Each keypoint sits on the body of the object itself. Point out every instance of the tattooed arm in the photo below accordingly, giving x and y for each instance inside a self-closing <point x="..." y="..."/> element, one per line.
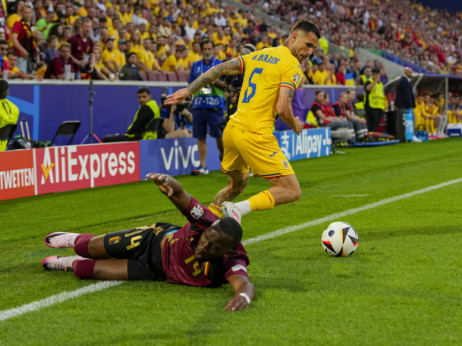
<point x="284" y="109"/>
<point x="231" y="67"/>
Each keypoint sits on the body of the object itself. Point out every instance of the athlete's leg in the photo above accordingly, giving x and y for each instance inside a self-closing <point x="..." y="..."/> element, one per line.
<point x="202" y="148"/>
<point x="96" y="248"/>
<point x="101" y="269"/>
<point x="220" y="146"/>
<point x="237" y="183"/>
<point x="111" y="269"/>
<point x="285" y="189"/>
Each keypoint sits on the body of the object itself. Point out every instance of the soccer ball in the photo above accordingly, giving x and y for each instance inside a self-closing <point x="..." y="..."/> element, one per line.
<point x="339" y="239"/>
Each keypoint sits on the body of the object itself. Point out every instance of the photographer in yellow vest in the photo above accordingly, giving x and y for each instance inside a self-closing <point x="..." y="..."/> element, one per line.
<point x="147" y="111"/>
<point x="9" y="113"/>
<point x="374" y="101"/>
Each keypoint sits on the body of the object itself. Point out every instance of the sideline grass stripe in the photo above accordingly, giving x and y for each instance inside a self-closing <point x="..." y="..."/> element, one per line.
<point x="348" y="212"/>
<point x="59" y="298"/>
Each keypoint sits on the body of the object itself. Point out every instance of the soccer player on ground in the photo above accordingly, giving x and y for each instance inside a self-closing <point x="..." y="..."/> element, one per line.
<point x="270" y="79"/>
<point x="205" y="252"/>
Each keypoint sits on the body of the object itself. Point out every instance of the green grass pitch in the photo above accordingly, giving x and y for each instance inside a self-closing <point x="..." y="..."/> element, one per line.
<point x="402" y="286"/>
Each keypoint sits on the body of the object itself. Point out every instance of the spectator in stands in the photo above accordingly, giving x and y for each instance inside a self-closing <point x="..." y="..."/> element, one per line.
<point x="171" y="63"/>
<point x="325" y="116"/>
<point x="15" y="72"/>
<point x="23" y="41"/>
<point x="52" y="49"/>
<point x="367" y="76"/>
<point x="343" y="110"/>
<point x="318" y="57"/>
<point x="130" y="71"/>
<point x="165" y="28"/>
<point x="111" y="56"/>
<point x="374" y="101"/>
<point x="454" y="109"/>
<point x="325" y="74"/>
<point x="82" y="49"/>
<point x="340" y="75"/>
<point x="44" y="25"/>
<point x="57" y="30"/>
<point x="122" y="47"/>
<point x="100" y="71"/>
<point x="9" y="112"/>
<point x="442" y="118"/>
<point x="57" y="67"/>
<point x="14" y="17"/>
<point x="5" y="66"/>
<point x="208" y="106"/>
<point x="194" y="54"/>
<point x="147" y="57"/>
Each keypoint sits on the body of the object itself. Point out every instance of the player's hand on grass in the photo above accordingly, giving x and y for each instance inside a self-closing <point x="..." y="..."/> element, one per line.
<point x="177" y="97"/>
<point x="237" y="303"/>
<point x="162" y="181"/>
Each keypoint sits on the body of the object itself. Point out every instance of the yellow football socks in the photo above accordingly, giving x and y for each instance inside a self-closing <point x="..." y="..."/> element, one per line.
<point x="262" y="201"/>
<point x="215" y="210"/>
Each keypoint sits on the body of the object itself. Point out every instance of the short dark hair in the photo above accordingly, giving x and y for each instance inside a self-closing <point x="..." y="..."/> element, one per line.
<point x="3" y="42"/>
<point x="130" y="54"/>
<point x="318" y="92"/>
<point x="204" y="42"/>
<point x="375" y="70"/>
<point x="143" y="90"/>
<point x="306" y="26"/>
<point x="231" y="228"/>
<point x="3" y="89"/>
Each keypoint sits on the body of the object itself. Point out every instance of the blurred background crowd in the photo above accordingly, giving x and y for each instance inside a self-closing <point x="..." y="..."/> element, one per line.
<point x="153" y="40"/>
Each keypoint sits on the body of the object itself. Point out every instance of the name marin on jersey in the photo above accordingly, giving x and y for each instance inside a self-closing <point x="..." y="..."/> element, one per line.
<point x="266" y="58"/>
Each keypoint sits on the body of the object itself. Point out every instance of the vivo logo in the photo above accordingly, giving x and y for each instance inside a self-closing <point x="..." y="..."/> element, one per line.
<point x="180" y="155"/>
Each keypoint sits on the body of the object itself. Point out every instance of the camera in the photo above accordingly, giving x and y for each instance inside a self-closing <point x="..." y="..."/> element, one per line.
<point x="186" y="104"/>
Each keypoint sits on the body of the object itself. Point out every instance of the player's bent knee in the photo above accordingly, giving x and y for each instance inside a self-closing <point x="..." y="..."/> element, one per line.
<point x="295" y="193"/>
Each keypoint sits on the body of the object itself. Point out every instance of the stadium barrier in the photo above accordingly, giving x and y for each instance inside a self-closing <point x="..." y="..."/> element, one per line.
<point x="47" y="104"/>
<point x="54" y="169"/>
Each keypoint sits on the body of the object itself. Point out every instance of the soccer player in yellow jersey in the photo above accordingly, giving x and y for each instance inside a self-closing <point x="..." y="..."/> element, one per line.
<point x="270" y="79"/>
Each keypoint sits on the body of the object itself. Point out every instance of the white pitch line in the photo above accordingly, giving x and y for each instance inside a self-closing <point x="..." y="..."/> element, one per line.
<point x="348" y="212"/>
<point x="59" y="298"/>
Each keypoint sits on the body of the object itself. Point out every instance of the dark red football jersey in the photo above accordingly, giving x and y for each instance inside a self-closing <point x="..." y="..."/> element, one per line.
<point x="179" y="263"/>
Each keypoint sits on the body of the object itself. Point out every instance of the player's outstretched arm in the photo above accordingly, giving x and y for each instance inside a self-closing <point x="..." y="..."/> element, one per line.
<point x="243" y="292"/>
<point x="284" y="109"/>
<point x="230" y="67"/>
<point x="172" y="189"/>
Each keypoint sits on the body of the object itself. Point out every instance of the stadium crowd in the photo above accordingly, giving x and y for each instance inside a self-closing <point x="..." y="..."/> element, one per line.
<point x="165" y="37"/>
<point x="161" y="40"/>
<point x="423" y="36"/>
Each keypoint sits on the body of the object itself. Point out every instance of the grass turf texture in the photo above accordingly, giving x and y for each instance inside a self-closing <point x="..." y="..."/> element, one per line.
<point x="402" y="286"/>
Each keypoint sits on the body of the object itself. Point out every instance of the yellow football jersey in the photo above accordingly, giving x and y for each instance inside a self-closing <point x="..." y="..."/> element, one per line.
<point x="265" y="71"/>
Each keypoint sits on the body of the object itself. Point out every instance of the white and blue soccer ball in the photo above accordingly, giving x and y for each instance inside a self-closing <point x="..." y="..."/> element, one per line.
<point x="339" y="239"/>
